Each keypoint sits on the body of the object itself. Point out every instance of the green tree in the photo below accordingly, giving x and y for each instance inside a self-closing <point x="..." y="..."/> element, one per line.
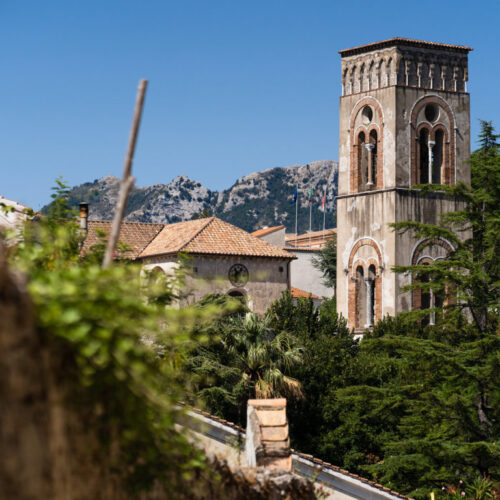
<point x="248" y="359"/>
<point x="470" y="275"/>
<point x="326" y="262"/>
<point x="424" y="407"/>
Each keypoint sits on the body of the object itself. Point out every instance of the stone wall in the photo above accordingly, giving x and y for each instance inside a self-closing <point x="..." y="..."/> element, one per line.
<point x="267" y="277"/>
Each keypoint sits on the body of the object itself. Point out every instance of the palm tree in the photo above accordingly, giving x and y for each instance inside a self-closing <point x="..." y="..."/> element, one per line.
<point x="264" y="357"/>
<point x="248" y="360"/>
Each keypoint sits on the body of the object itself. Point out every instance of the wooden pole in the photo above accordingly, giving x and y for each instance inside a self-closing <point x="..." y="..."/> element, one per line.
<point x="127" y="180"/>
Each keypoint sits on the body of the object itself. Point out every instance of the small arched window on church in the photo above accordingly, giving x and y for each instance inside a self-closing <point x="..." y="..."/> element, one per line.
<point x="360" y="298"/>
<point x="423" y="170"/>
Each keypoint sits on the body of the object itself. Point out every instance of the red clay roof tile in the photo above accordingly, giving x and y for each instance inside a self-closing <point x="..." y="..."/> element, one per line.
<point x="136" y="235"/>
<point x="297" y="292"/>
<point x="211" y="236"/>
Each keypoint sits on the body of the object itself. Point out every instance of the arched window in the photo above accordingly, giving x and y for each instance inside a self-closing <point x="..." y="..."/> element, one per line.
<point x="366" y="150"/>
<point x="423" y="171"/>
<point x="433" y="142"/>
<point x="437" y="157"/>
<point x="360" y="298"/>
<point x="426" y="253"/>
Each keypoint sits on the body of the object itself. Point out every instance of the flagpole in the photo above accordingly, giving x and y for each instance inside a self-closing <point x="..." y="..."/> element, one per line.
<point x="310" y="220"/>
<point x="296" y="213"/>
<point x="324" y="210"/>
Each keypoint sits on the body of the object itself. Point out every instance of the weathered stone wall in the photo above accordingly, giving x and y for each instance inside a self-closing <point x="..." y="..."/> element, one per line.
<point x="267" y="278"/>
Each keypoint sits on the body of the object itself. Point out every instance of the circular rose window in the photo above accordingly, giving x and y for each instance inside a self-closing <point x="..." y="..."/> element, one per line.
<point x="238" y="275"/>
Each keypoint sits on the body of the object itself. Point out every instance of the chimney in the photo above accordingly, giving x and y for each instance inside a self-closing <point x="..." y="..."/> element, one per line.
<point x="84" y="215"/>
<point x="267" y="443"/>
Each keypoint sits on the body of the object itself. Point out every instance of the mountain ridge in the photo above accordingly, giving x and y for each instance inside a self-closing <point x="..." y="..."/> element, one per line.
<point x="263" y="198"/>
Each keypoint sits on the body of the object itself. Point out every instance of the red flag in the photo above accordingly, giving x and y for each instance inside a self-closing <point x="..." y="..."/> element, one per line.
<point x="324" y="199"/>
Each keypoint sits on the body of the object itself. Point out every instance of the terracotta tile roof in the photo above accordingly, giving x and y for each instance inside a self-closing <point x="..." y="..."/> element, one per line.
<point x="297" y="292"/>
<point x="319" y="462"/>
<point x="266" y="230"/>
<point x="402" y="41"/>
<point x="134" y="234"/>
<point x="211" y="236"/>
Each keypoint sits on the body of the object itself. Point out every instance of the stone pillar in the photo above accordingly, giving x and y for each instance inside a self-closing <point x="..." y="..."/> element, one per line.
<point x="267" y="442"/>
<point x="369" y="302"/>
<point x="430" y="145"/>
<point x="370" y="147"/>
<point x="432" y="317"/>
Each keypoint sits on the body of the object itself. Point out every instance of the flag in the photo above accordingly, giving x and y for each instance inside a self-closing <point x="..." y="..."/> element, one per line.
<point x="324" y="200"/>
<point x="295" y="194"/>
<point x="310" y="195"/>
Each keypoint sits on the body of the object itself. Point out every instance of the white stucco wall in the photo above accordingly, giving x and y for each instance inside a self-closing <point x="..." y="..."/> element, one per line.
<point x="305" y="276"/>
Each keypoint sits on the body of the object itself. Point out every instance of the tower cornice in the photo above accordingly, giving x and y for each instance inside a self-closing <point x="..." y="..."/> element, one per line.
<point x="406" y="42"/>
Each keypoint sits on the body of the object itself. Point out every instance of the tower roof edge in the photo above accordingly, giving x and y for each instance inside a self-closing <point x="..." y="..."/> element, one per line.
<point x="391" y="42"/>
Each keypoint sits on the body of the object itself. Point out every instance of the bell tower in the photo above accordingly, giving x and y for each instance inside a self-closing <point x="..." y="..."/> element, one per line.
<point x="404" y="120"/>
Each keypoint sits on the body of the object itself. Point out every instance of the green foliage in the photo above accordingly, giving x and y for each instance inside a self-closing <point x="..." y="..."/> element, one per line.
<point x="59" y="209"/>
<point x="116" y="346"/>
<point x="326" y="262"/>
<point x="424" y="407"/>
<point x="246" y="359"/>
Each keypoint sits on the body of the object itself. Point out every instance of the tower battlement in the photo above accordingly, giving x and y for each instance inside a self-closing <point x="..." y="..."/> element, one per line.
<point x="401" y="61"/>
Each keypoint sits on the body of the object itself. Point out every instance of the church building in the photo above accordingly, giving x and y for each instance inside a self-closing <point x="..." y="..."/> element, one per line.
<point x="404" y="120"/>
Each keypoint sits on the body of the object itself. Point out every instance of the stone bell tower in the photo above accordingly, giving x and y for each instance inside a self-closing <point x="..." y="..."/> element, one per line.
<point x="404" y="120"/>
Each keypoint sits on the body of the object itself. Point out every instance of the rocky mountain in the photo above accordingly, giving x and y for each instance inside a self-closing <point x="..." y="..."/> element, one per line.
<point x="254" y="201"/>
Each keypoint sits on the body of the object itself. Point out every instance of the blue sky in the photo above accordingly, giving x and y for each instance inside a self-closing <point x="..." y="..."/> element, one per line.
<point x="235" y="86"/>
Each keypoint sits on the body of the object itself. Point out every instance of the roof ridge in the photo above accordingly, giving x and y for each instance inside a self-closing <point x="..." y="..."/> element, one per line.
<point x="196" y="234"/>
<point x="266" y="243"/>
